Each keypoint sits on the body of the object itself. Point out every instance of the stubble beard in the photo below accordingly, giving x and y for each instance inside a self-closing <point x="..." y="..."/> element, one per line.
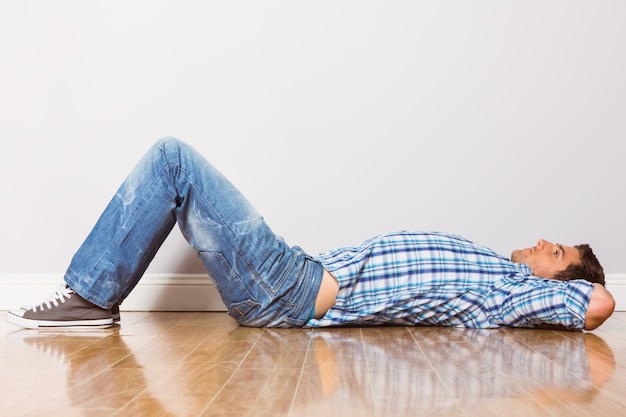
<point x="517" y="256"/>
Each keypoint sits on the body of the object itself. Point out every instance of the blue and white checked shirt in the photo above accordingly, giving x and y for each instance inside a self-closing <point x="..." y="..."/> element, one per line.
<point x="419" y="278"/>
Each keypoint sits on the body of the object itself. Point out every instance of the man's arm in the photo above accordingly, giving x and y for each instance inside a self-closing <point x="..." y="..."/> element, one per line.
<point x="601" y="306"/>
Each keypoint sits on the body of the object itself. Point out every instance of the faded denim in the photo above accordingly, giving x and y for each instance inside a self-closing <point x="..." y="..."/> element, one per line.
<point x="263" y="281"/>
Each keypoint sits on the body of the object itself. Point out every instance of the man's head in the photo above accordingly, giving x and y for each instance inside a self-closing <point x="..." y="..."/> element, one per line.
<point x="556" y="261"/>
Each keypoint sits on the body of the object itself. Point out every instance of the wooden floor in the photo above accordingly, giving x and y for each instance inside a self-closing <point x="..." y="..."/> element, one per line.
<point x="203" y="364"/>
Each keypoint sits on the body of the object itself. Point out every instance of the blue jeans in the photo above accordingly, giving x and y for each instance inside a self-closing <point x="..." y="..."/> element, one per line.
<point x="263" y="281"/>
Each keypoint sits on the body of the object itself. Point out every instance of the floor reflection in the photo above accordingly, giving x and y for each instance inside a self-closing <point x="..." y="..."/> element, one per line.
<point x="450" y="370"/>
<point x="75" y="372"/>
<point x="173" y="364"/>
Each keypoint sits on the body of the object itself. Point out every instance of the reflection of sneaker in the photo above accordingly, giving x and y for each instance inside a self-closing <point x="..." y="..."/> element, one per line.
<point x="64" y="309"/>
<point x="115" y="311"/>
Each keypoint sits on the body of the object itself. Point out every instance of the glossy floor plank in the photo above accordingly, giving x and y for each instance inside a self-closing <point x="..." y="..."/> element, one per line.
<point x="203" y="364"/>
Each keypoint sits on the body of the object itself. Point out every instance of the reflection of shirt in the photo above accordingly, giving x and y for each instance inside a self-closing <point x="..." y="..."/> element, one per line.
<point x="417" y="278"/>
<point x="420" y="372"/>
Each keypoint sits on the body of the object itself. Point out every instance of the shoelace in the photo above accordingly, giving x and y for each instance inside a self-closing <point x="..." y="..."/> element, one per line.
<point x="64" y="292"/>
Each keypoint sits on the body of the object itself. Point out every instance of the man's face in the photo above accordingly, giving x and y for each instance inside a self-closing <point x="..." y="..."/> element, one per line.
<point x="545" y="259"/>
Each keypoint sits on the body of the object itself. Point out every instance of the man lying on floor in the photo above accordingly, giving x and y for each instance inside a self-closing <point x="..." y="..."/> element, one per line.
<point x="403" y="278"/>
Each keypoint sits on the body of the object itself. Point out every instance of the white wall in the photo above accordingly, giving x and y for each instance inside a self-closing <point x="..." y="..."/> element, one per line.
<point x="501" y="121"/>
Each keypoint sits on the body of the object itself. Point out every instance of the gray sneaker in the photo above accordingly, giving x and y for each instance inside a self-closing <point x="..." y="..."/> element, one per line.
<point x="64" y="309"/>
<point x="115" y="311"/>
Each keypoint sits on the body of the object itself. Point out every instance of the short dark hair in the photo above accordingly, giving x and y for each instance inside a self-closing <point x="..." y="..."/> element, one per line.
<point x="589" y="267"/>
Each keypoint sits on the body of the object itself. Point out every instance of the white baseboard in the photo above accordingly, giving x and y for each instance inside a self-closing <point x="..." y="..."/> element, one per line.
<point x="172" y="292"/>
<point x="155" y="292"/>
<point x="616" y="284"/>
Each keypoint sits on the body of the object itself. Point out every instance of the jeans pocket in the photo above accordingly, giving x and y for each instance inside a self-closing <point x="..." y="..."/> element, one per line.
<point x="235" y="292"/>
<point x="243" y="312"/>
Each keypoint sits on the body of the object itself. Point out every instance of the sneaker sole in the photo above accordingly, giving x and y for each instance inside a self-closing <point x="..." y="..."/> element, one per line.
<point x="74" y="324"/>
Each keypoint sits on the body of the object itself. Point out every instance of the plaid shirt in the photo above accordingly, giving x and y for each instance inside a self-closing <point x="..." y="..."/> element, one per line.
<point x="417" y="278"/>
